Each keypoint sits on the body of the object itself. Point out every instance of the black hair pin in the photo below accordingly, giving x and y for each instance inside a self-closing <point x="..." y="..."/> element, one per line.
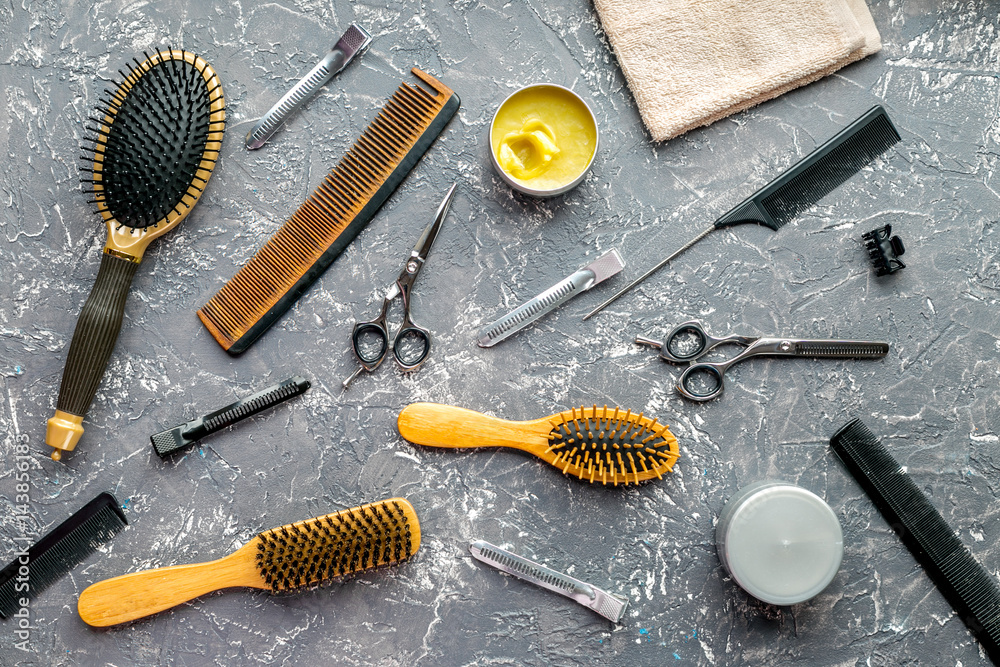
<point x="182" y="436"/>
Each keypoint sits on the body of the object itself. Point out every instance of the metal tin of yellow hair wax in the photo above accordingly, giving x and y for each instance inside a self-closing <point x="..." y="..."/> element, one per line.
<point x="781" y="543"/>
<point x="543" y="140"/>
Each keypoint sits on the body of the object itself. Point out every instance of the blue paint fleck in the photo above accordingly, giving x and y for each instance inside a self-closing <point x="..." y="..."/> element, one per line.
<point x="643" y="631"/>
<point x="201" y="451"/>
<point x="676" y="657"/>
<point x="125" y="504"/>
<point x="18" y="370"/>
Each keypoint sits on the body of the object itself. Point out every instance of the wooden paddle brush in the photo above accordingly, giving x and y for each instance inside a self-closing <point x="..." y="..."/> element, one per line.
<point x="286" y="559"/>
<point x="606" y="445"/>
<point x="152" y="148"/>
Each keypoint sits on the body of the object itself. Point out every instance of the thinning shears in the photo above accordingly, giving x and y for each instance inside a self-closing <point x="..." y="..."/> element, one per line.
<point x="703" y="381"/>
<point x="411" y="343"/>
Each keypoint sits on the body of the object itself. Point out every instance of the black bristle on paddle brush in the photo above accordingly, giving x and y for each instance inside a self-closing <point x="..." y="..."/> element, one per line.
<point x="65" y="547"/>
<point x="802" y="185"/>
<point x="967" y="585"/>
<point x="155" y="145"/>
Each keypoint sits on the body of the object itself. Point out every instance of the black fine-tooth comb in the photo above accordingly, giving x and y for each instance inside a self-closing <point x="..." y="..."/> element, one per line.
<point x="169" y="441"/>
<point x="802" y="185"/>
<point x="966" y="584"/>
<point x="57" y="553"/>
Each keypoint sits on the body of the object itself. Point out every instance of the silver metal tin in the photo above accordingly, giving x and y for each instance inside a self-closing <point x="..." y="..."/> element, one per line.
<point x="521" y="187"/>
<point x="759" y="565"/>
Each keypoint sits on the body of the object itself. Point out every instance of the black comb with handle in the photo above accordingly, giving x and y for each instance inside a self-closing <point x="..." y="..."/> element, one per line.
<point x="967" y="585"/>
<point x="802" y="185"/>
<point x="181" y="436"/>
<point x="65" y="547"/>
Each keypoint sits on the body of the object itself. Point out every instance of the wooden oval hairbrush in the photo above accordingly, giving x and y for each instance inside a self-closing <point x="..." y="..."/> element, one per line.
<point x="607" y="445"/>
<point x="154" y="144"/>
<point x="286" y="559"/>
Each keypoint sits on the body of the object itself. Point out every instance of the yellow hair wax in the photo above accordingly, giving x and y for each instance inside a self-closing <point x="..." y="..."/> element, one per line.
<point x="544" y="137"/>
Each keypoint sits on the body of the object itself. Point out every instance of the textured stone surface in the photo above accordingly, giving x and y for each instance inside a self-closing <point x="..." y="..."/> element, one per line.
<point x="934" y="398"/>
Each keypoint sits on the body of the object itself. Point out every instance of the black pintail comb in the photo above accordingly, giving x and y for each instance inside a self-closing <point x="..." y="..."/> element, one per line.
<point x="62" y="549"/>
<point x="186" y="434"/>
<point x="802" y="185"/>
<point x="967" y="585"/>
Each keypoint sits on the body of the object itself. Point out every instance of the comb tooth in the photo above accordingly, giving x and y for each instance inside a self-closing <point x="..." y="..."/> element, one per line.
<point x="400" y="115"/>
<point x="412" y="100"/>
<point x="385" y="141"/>
<point x="372" y="149"/>
<point x="388" y="129"/>
<point x="365" y="159"/>
<point x="335" y="202"/>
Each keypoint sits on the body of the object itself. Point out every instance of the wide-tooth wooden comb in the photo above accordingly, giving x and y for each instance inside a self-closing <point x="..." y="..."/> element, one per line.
<point x="287" y="559"/>
<point x="598" y="444"/>
<point x="316" y="234"/>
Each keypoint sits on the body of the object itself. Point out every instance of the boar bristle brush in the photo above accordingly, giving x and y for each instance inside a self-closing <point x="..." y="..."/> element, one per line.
<point x="286" y="559"/>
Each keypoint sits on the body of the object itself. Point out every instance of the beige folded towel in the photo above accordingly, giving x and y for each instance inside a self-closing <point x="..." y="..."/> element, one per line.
<point x="691" y="62"/>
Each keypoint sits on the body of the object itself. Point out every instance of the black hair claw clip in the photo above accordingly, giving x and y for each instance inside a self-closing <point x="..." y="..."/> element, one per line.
<point x="884" y="250"/>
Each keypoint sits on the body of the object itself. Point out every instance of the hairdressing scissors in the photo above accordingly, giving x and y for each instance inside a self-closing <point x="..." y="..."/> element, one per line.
<point x="411" y="343"/>
<point x="703" y="381"/>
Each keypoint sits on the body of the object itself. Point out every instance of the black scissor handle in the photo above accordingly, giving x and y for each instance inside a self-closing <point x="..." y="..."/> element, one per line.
<point x="411" y="346"/>
<point x="363" y="330"/>
<point x="702" y="382"/>
<point x="672" y="351"/>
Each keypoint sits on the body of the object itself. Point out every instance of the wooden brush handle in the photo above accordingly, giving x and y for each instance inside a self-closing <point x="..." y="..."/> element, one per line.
<point x="140" y="594"/>
<point x="437" y="425"/>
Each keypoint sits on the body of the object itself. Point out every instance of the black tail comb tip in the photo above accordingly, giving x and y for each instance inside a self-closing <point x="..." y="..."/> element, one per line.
<point x="62" y="549"/>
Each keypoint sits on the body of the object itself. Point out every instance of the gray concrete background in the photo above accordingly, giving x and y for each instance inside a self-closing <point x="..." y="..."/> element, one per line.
<point x="934" y="398"/>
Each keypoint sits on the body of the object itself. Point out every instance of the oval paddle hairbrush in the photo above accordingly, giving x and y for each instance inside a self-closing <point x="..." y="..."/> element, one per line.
<point x="154" y="144"/>
<point x="607" y="445"/>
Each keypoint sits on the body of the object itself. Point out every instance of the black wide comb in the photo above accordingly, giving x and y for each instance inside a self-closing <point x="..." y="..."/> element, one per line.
<point x="966" y="584"/>
<point x="65" y="547"/>
<point x="802" y="185"/>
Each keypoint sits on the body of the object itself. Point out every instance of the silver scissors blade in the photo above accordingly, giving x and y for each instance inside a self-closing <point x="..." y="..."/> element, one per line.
<point x="427" y="238"/>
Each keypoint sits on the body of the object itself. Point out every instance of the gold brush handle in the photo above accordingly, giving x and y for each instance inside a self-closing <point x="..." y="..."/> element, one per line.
<point x="140" y="594"/>
<point x="436" y="425"/>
